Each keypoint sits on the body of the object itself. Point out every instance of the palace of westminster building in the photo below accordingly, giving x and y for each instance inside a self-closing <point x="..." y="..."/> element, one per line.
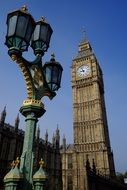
<point x="65" y="164"/>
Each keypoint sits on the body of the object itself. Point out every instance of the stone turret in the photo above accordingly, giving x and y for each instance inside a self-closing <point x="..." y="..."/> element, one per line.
<point x="17" y="120"/>
<point x="53" y="140"/>
<point x="38" y="132"/>
<point x="57" y="136"/>
<point x="46" y="136"/>
<point x="64" y="142"/>
<point x="3" y="116"/>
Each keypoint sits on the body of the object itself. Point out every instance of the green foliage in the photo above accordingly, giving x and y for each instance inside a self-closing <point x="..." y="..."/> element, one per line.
<point x="121" y="176"/>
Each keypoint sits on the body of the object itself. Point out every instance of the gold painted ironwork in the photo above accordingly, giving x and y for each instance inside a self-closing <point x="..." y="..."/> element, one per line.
<point x="41" y="163"/>
<point x="33" y="102"/>
<point x="13" y="164"/>
<point x="26" y="74"/>
<point x="17" y="161"/>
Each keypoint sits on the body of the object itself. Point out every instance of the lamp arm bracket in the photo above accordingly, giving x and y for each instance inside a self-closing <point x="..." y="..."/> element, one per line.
<point x="36" y="61"/>
<point x="27" y="75"/>
<point x="35" y="80"/>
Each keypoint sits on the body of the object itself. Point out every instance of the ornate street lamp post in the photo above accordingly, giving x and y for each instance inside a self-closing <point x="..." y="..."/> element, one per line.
<point x="41" y="80"/>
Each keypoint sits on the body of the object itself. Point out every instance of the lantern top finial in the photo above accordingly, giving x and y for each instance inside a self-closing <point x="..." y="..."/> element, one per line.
<point x="24" y="8"/>
<point x="41" y="163"/>
<point x="43" y="19"/>
<point x="52" y="57"/>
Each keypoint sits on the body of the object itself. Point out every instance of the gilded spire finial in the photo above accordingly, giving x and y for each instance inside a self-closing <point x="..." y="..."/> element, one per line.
<point x="17" y="161"/>
<point x="13" y="164"/>
<point x="41" y="163"/>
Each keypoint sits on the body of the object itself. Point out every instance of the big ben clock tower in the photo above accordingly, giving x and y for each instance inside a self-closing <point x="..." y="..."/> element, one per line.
<point x="91" y="136"/>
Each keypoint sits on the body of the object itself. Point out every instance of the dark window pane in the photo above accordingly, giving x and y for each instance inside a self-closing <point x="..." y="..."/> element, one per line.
<point x="36" y="33"/>
<point x="12" y="25"/>
<point x="29" y="32"/>
<point x="55" y="74"/>
<point x="43" y="34"/>
<point x="22" y="26"/>
<point x="48" y="74"/>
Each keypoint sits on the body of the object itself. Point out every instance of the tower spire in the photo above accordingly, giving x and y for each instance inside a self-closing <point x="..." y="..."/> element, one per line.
<point x="53" y="139"/>
<point x="38" y="132"/>
<point x="84" y="35"/>
<point x="46" y="136"/>
<point x="57" y="136"/>
<point x="57" y="133"/>
<point x="17" y="120"/>
<point x="64" y="142"/>
<point x="3" y="115"/>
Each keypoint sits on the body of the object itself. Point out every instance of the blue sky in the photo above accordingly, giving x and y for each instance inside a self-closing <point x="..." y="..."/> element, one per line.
<point x="105" y="22"/>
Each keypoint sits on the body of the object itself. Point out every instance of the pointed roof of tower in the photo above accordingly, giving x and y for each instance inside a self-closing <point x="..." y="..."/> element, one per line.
<point x="4" y="111"/>
<point x="57" y="130"/>
<point x="37" y="134"/>
<point x="84" y="47"/>
<point x="46" y="136"/>
<point x="64" y="142"/>
<point x="53" y="139"/>
<point x="64" y="137"/>
<point x="84" y="37"/>
<point x="17" y="120"/>
<point x="3" y="115"/>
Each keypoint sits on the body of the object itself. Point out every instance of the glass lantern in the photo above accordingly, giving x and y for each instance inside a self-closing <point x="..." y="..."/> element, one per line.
<point x="41" y="36"/>
<point x="53" y="72"/>
<point x="20" y="26"/>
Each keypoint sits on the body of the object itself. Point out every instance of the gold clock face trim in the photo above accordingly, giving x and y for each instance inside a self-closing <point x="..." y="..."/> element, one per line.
<point x="83" y="70"/>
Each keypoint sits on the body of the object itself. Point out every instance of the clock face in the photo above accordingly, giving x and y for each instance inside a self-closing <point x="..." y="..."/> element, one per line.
<point x="83" y="70"/>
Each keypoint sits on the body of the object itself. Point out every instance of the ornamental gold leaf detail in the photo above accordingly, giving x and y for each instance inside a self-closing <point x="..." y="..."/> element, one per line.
<point x="26" y="74"/>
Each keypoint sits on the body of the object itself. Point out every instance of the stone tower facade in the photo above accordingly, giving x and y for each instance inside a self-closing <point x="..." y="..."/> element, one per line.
<point x="91" y="136"/>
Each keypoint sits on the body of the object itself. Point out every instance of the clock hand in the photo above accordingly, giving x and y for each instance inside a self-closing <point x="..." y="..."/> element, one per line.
<point x="83" y="70"/>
